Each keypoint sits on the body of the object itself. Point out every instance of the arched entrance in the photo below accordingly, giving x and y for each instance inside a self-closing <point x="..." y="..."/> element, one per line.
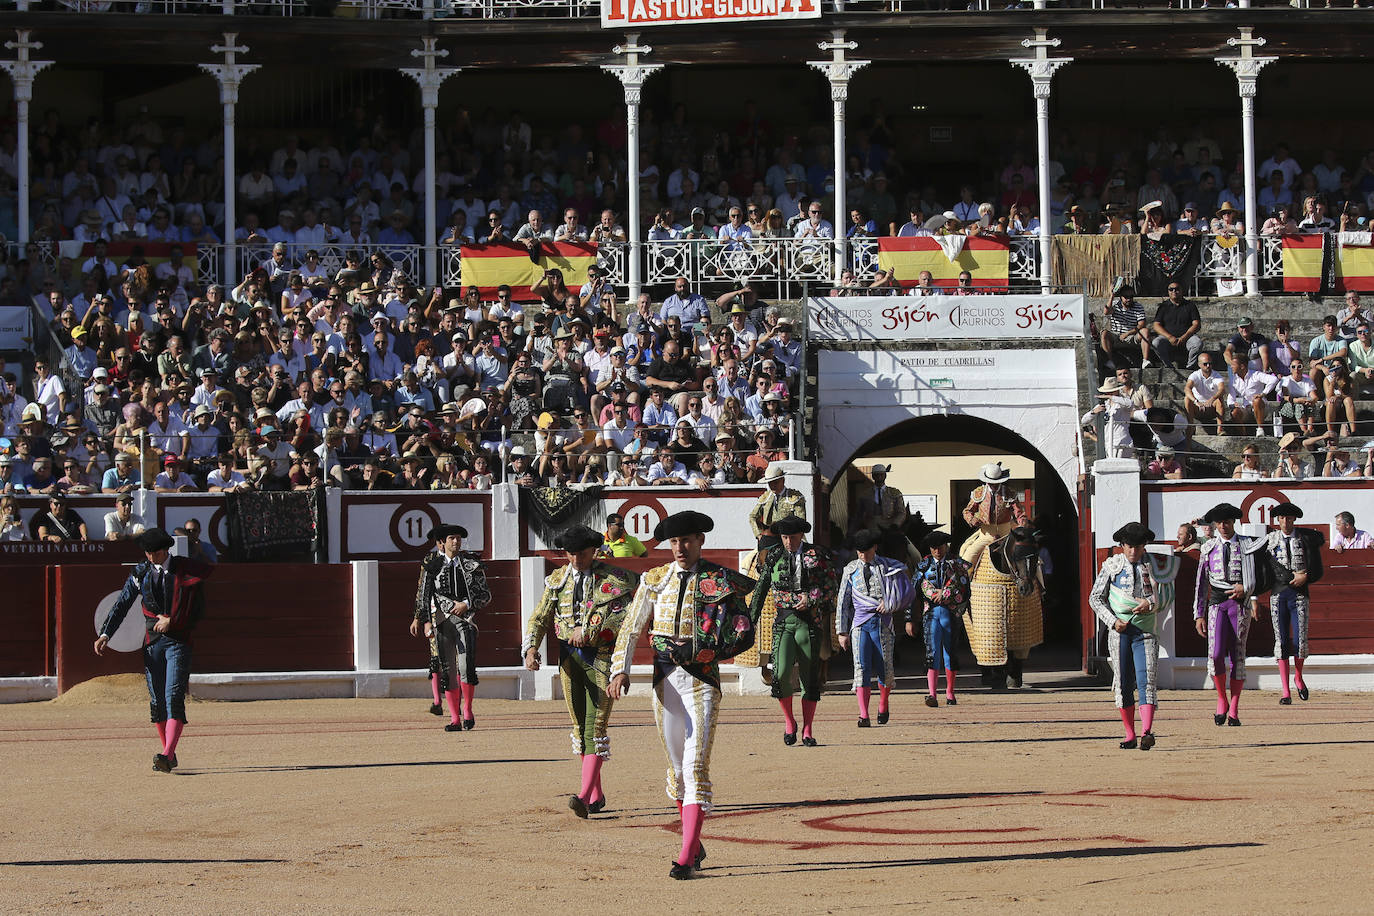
<point x="935" y="462"/>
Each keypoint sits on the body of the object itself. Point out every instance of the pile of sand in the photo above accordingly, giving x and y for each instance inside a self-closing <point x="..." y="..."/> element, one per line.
<point x="111" y="690"/>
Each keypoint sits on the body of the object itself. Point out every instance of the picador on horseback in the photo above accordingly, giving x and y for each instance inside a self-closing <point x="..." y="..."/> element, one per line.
<point x="1004" y="612"/>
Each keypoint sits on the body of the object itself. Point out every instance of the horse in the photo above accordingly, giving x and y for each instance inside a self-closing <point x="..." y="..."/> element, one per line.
<point x="1005" y="616"/>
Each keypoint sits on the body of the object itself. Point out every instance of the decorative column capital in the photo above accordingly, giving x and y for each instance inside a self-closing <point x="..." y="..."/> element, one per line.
<point x="633" y="73"/>
<point x="1041" y="67"/>
<point x="230" y="73"/>
<point x="429" y="77"/>
<point x="1245" y="65"/>
<point x="838" y="69"/>
<point x="1247" y="71"/>
<point x="1041" y="71"/>
<point x="23" y="70"/>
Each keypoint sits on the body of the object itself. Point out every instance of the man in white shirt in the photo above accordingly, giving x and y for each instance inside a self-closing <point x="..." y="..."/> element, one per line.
<point x="1205" y="393"/>
<point x="703" y="427"/>
<point x="277" y="452"/>
<point x="167" y="434"/>
<point x="173" y="479"/>
<point x="619" y="432"/>
<point x="915" y="227"/>
<point x="667" y="470"/>
<point x="1245" y="390"/>
<point x="815" y="227"/>
<point x="224" y="479"/>
<point x="122" y="524"/>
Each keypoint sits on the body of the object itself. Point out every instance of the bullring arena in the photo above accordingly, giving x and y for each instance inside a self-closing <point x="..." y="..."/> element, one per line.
<point x="364" y="806"/>
<point x="322" y="297"/>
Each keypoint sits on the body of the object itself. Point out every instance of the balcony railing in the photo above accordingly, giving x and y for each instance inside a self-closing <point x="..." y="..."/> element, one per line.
<point x="553" y="9"/>
<point x="779" y="268"/>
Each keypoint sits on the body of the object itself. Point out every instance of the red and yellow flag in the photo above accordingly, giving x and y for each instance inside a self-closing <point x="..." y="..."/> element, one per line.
<point x="987" y="259"/>
<point x="1303" y="257"/>
<point x="488" y="266"/>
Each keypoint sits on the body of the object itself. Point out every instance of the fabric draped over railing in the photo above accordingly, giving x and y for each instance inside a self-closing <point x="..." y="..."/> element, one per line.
<point x="1094" y="260"/>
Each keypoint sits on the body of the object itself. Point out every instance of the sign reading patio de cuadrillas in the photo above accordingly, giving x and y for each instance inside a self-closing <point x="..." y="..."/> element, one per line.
<point x="617" y="14"/>
<point x="939" y="317"/>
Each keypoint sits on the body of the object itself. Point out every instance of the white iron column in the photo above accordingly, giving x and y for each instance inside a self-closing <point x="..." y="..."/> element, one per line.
<point x="838" y="71"/>
<point x="430" y="79"/>
<point x="1041" y="68"/>
<point x="1247" y="67"/>
<point x="632" y="75"/>
<point x="229" y="74"/>
<point x="22" y="72"/>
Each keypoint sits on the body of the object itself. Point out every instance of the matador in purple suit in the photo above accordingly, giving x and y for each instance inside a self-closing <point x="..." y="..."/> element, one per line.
<point x="1225" y="583"/>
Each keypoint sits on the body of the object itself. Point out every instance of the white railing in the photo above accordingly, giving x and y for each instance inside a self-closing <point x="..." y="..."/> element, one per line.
<point x="409" y="259"/>
<point x="1217" y="262"/>
<point x="343" y="9"/>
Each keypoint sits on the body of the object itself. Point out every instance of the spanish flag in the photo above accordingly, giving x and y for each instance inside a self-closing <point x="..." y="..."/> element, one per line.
<point x="987" y="259"/>
<point x="1302" y="263"/>
<point x="488" y="266"/>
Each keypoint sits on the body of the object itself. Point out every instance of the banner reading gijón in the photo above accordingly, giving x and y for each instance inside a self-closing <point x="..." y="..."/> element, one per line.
<point x="617" y="14"/>
<point x="945" y="317"/>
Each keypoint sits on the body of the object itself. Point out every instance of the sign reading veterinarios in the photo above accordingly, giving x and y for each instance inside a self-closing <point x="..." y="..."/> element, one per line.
<point x="940" y="317"/>
<point x="617" y="14"/>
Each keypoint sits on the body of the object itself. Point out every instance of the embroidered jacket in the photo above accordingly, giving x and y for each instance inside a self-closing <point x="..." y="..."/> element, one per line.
<point x="944" y="585"/>
<point x="774" y="506"/>
<point x="988" y="508"/>
<point x="180" y="598"/>
<point x="444" y="584"/>
<point x="1215" y="570"/>
<point x="859" y="595"/>
<point x="681" y="632"/>
<point x="606" y="598"/>
<point x="1120" y="581"/>
<point x="814" y="585"/>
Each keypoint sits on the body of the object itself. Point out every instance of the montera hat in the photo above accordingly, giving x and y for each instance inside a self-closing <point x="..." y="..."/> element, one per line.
<point x="994" y="473"/>
<point x="440" y="532"/>
<point x="863" y="539"/>
<point x="791" y="524"/>
<point x="1285" y="510"/>
<point x="935" y="539"/>
<point x="1223" y="512"/>
<point x="155" y="539"/>
<point x="680" y="523"/>
<point x="1133" y="534"/>
<point x="578" y="538"/>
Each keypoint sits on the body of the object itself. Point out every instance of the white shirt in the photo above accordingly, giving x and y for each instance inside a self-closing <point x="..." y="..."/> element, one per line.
<point x="1205" y="387"/>
<point x="1244" y="390"/>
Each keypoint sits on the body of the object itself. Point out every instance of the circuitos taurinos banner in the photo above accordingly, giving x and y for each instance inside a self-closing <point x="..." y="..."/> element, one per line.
<point x="940" y="317"/>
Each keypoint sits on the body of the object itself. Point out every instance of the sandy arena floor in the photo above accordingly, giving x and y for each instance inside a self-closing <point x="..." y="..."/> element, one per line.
<point x="369" y="806"/>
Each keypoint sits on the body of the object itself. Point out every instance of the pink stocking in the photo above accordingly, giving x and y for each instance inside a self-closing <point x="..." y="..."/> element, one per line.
<point x="597" y="795"/>
<point x="1297" y="663"/>
<point x="1221" y="694"/>
<point x="1147" y="716"/>
<point x="883" y="693"/>
<point x="931" y="680"/>
<point x="434" y="688"/>
<point x="949" y="684"/>
<point x="162" y="735"/>
<point x="863" y="692"/>
<point x="451" y="697"/>
<point x="174" y="728"/>
<point x="691" y="833"/>
<point x="469" y="690"/>
<point x="788" y="715"/>
<point x="591" y="776"/>
<point x="1128" y="720"/>
<point x="1283" y="673"/>
<point x="808" y="714"/>
<point x="1236" y="688"/>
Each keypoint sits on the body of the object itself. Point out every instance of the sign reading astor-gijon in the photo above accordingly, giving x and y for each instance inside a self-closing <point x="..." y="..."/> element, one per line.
<point x="620" y="13"/>
<point x="945" y="317"/>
